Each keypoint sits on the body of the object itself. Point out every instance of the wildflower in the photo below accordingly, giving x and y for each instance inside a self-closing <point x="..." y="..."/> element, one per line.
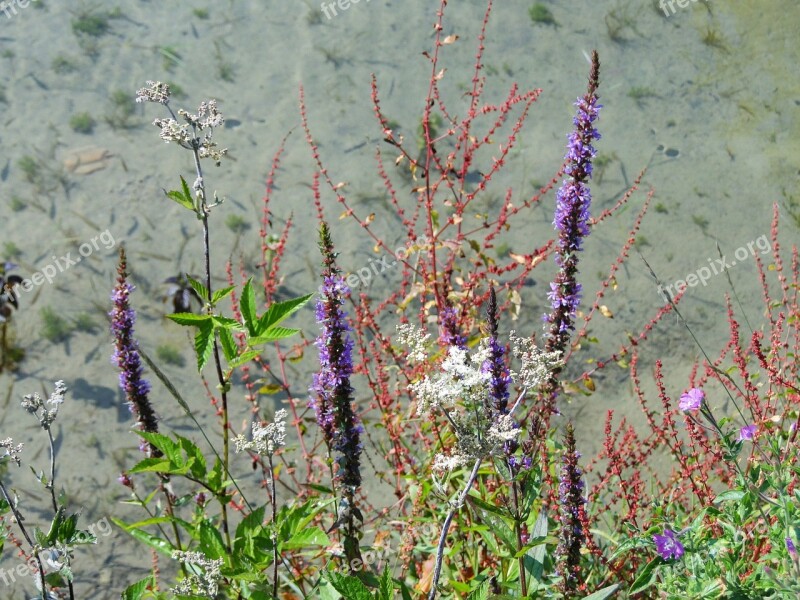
<point x="668" y="546"/>
<point x="572" y="215"/>
<point x="692" y="400"/>
<point x="449" y="331"/>
<point x="747" y="433"/>
<point x="33" y="402"/>
<point x="415" y="339"/>
<point x="126" y="354"/>
<point x="206" y="583"/>
<point x="333" y="403"/>
<point x="495" y="365"/>
<point x="154" y="92"/>
<point x="266" y="439"/>
<point x="791" y="548"/>
<point x="12" y="451"/>
<point x="571" y="506"/>
<point x="537" y="365"/>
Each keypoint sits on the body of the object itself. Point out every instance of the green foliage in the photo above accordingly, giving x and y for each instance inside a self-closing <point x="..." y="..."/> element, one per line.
<point x="55" y="328"/>
<point x="82" y="123"/>
<point x="541" y="15"/>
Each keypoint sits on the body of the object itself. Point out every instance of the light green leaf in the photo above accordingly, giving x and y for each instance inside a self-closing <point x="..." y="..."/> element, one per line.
<point x="198" y="287"/>
<point x="279" y="311"/>
<point x="229" y="347"/>
<point x="647" y="577"/>
<point x="223" y="293"/>
<point x="137" y="590"/>
<point x="190" y="319"/>
<point x="247" y="306"/>
<point x="157" y="543"/>
<point x="606" y="592"/>
<point x="204" y="343"/>
<point x="350" y="587"/>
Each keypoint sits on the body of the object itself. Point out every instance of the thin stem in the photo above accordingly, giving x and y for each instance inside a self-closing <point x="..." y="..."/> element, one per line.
<point x="518" y="531"/>
<point x="52" y="487"/>
<point x="273" y="498"/>
<point x="19" y="520"/>
<point x="446" y="526"/>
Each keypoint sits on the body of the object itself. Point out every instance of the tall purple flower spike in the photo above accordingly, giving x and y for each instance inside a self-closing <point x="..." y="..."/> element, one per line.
<point x="572" y="215"/>
<point x="126" y="355"/>
<point x="333" y="394"/>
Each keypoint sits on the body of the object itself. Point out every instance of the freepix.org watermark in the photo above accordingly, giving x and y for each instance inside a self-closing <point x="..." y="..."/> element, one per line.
<point x="668" y="6"/>
<point x="329" y="8"/>
<point x="9" y="7"/>
<point x="31" y="567"/>
<point x="60" y="264"/>
<point x="715" y="267"/>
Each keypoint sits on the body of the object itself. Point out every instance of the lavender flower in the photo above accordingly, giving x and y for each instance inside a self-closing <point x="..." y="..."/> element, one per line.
<point x="500" y="376"/>
<point x="668" y="545"/>
<point x="333" y="403"/>
<point x="572" y="215"/>
<point x="571" y="506"/>
<point x="791" y="548"/>
<point x="126" y="354"/>
<point x="747" y="433"/>
<point x="692" y="400"/>
<point x="449" y="331"/>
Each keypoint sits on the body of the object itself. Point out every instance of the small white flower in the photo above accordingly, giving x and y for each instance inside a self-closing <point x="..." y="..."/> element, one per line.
<point x="12" y="451"/>
<point x="537" y="365"/>
<point x="205" y="583"/>
<point x="415" y="339"/>
<point x="266" y="438"/>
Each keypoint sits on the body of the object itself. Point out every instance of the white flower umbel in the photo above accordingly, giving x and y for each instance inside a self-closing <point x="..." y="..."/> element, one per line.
<point x="415" y="339"/>
<point x="536" y="363"/>
<point x="12" y="451"/>
<point x="459" y="380"/>
<point x="205" y="583"/>
<point x="266" y="438"/>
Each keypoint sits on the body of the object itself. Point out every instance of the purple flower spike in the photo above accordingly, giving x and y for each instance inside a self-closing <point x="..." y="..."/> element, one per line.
<point x="333" y="394"/>
<point x="126" y="355"/>
<point x="747" y="433"/>
<point x="572" y="215"/>
<point x="791" y="548"/>
<point x="692" y="400"/>
<point x="668" y="546"/>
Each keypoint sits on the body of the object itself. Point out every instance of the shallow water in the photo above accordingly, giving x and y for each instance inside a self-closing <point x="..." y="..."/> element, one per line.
<point x="706" y="98"/>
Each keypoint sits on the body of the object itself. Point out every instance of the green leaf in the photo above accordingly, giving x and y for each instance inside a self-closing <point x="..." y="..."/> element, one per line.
<point x="196" y="458"/>
<point x="606" y="592"/>
<point x="137" y="590"/>
<point x="481" y="592"/>
<point x="223" y="293"/>
<point x="229" y="348"/>
<point x="245" y="357"/>
<point x="279" y="311"/>
<point x="157" y="543"/>
<point x="170" y="448"/>
<point x="190" y="319"/>
<point x="204" y="343"/>
<point x="247" y="306"/>
<point x="152" y="465"/>
<point x="182" y="196"/>
<point x="198" y="287"/>
<point x="270" y="388"/>
<point x="647" y="577"/>
<point x="385" y="587"/>
<point x="273" y="335"/>
<point x="313" y="536"/>
<point x="537" y="554"/>
<point x="348" y="586"/>
<point x="729" y="495"/>
<point x="227" y="323"/>
<point x="211" y="543"/>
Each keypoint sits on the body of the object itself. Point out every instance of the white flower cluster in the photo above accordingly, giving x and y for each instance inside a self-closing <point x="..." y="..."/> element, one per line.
<point x="203" y="584"/>
<point x="484" y="441"/>
<point x="458" y="380"/>
<point x="155" y="91"/>
<point x="415" y="339"/>
<point x="172" y="131"/>
<point x="12" y="451"/>
<point x="33" y="402"/>
<point x="462" y="391"/>
<point x="266" y="439"/>
<point x="537" y="365"/>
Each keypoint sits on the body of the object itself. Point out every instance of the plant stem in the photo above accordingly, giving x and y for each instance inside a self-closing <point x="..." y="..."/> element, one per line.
<point x="446" y="527"/>
<point x="19" y="519"/>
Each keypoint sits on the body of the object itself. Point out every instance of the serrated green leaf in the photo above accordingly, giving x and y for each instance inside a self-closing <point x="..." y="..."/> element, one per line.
<point x="198" y="287"/>
<point x="211" y="543"/>
<point x="243" y="358"/>
<point x="348" y="586"/>
<point x="227" y="323"/>
<point x="181" y="196"/>
<point x="229" y="348"/>
<point x="223" y="293"/>
<point x="204" y="343"/>
<point x="195" y="455"/>
<point x="137" y="590"/>
<point x="279" y="311"/>
<point x="646" y="577"/>
<point x="385" y="587"/>
<point x="186" y="191"/>
<point x="247" y="306"/>
<point x="273" y="335"/>
<point x="189" y="319"/>
<point x="481" y="592"/>
<point x="167" y="445"/>
<point x="729" y="495"/>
